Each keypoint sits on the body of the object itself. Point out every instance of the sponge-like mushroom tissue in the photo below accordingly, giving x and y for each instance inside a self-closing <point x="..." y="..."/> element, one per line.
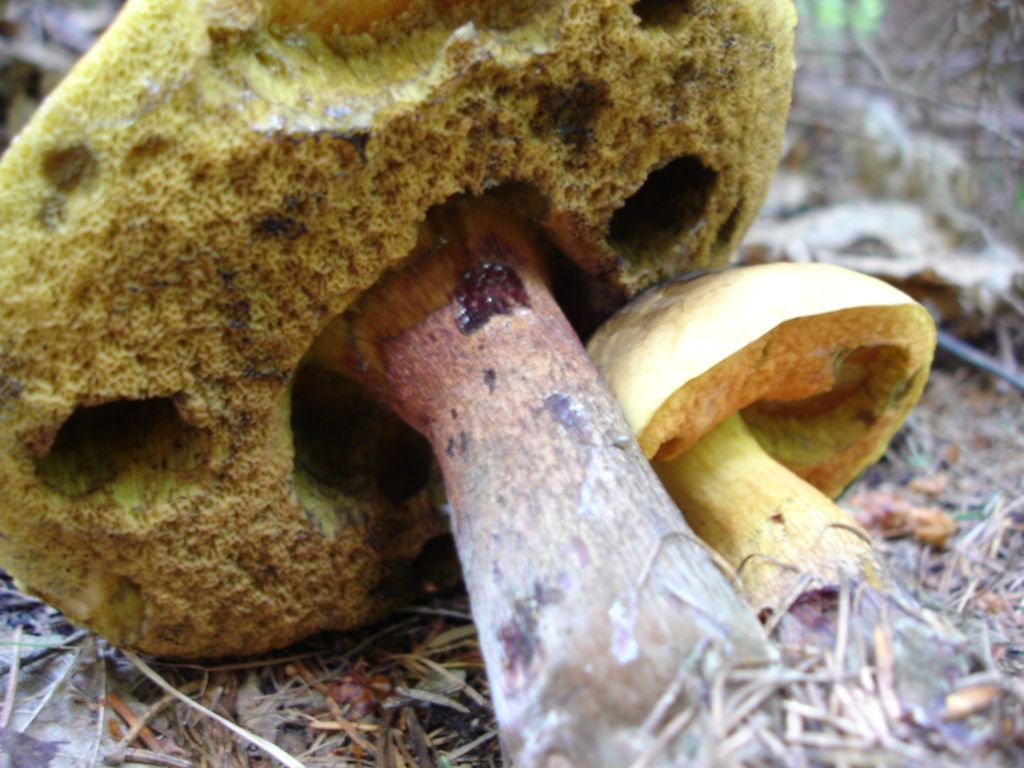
<point x="217" y="179"/>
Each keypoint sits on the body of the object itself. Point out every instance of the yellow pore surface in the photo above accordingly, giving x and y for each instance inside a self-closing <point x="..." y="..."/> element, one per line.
<point x="218" y="179"/>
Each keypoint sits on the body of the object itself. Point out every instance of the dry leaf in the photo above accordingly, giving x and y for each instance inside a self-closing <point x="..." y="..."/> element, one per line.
<point x="892" y="517"/>
<point x="23" y="751"/>
<point x="931" y="525"/>
<point x="930" y="485"/>
<point x="989" y="603"/>
<point x="898" y="241"/>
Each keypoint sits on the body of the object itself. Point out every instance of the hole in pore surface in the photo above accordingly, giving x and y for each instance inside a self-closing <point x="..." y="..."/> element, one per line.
<point x="435" y="568"/>
<point x="662" y="213"/>
<point x="661" y="13"/>
<point x="138" y="452"/>
<point x="353" y="456"/>
<point x="728" y="229"/>
<point x="437" y="564"/>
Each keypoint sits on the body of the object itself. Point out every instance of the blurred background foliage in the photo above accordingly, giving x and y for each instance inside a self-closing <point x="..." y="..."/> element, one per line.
<point x="932" y="89"/>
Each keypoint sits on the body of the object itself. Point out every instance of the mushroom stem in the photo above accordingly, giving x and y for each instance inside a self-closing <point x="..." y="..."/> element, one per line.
<point x="771" y="525"/>
<point x="588" y="590"/>
<point x="796" y="553"/>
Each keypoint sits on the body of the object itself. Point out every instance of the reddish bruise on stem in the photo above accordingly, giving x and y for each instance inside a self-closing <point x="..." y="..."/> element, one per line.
<point x="490" y="289"/>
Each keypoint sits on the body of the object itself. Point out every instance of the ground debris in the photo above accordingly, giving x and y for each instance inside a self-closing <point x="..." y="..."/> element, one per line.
<point x="947" y="500"/>
<point x="891" y="515"/>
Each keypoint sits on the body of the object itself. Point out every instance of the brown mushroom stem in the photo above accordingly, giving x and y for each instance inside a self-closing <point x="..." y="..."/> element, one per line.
<point x="588" y="590"/>
<point x="771" y="525"/>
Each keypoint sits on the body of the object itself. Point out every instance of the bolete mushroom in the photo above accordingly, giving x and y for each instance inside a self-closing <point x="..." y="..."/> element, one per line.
<point x="759" y="393"/>
<point x="197" y="461"/>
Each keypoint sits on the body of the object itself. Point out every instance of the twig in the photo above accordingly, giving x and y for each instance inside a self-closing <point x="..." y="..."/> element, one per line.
<point x="136" y="726"/>
<point x="346" y="725"/>
<point x="48" y="696"/>
<point x="665" y="701"/>
<point x="478" y="698"/>
<point x="384" y="745"/>
<point x="271" y="749"/>
<point x="122" y="756"/>
<point x="12" y="681"/>
<point x="427" y="610"/>
<point x="427" y="697"/>
<point x="102" y="709"/>
<point x="465" y="749"/>
<point x="350" y="729"/>
<point x="419" y="738"/>
<point x="974" y="356"/>
<point x="43" y="653"/>
<point x="673" y="728"/>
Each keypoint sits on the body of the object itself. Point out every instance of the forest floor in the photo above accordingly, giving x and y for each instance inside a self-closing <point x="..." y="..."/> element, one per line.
<point x="946" y="503"/>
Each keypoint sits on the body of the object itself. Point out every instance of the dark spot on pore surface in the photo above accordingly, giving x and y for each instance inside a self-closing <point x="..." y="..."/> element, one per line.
<point x="729" y="226"/>
<point x="68" y="167"/>
<point x="686" y="72"/>
<point x="145" y="151"/>
<point x="778" y="519"/>
<point x="10" y="389"/>
<point x="358" y="141"/>
<point x="490" y="379"/>
<point x="284" y="227"/>
<point x="239" y="314"/>
<point x="484" y="291"/>
<point x="570" y="112"/>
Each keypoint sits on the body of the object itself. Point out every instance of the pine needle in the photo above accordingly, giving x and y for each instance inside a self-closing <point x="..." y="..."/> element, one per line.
<point x="271" y="749"/>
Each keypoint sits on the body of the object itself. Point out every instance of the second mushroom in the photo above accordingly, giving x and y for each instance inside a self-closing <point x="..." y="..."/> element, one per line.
<point x="759" y="393"/>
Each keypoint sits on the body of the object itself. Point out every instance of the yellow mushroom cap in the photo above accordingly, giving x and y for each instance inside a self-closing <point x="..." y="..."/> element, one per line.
<point x="822" y="362"/>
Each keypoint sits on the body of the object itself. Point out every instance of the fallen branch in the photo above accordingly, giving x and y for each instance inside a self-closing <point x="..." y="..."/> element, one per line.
<point x="980" y="360"/>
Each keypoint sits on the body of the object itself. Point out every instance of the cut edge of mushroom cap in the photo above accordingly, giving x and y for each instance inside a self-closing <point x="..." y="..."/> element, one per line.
<point x="687" y="354"/>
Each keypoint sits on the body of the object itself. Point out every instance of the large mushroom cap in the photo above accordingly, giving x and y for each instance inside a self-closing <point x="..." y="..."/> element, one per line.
<point x="218" y="179"/>
<point x="823" y="364"/>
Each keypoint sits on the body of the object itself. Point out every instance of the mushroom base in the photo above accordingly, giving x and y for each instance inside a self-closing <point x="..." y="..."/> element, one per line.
<point x="811" y="572"/>
<point x="774" y="528"/>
